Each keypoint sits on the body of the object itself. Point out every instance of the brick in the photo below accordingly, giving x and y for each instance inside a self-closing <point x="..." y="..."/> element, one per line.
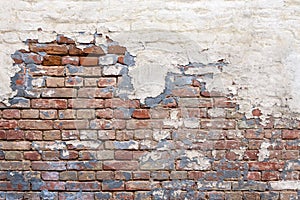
<point x="123" y="195"/>
<point x="50" y="155"/>
<point x="32" y="155"/>
<point x="88" y="61"/>
<point x="86" y="103"/>
<point x="250" y="155"/>
<point x="48" y="166"/>
<point x="13" y="145"/>
<point x="2" y="135"/>
<point x="217" y="124"/>
<point x="84" y="165"/>
<point x="61" y="39"/>
<point x="48" y="114"/>
<point x="85" y="114"/>
<point x="36" y="124"/>
<point x="117" y="103"/>
<point x="290" y="134"/>
<point x="75" y="195"/>
<point x="13" y="155"/>
<point x="71" y="124"/>
<point x="254" y="134"/>
<point x="123" y="155"/>
<point x="32" y="58"/>
<point x="33" y="135"/>
<point x="74" y="81"/>
<point x="270" y="176"/>
<point x="140" y="175"/>
<point x="138" y="185"/>
<point x="53" y="186"/>
<point x="69" y="155"/>
<point x="8" y="124"/>
<point x="116" y="49"/>
<point x="266" y="166"/>
<point x="86" y="176"/>
<point x="95" y="93"/>
<point x="160" y="175"/>
<point x="68" y="176"/>
<point x="195" y="175"/>
<point x="250" y="185"/>
<point x="55" y="71"/>
<point x="233" y="196"/>
<point x="50" y="176"/>
<point x="178" y="175"/>
<point x="195" y="103"/>
<point x="105" y="175"/>
<point x="50" y="60"/>
<point x="14" y="165"/>
<point x="288" y="195"/>
<point x="254" y="176"/>
<point x="252" y="195"/>
<point x="15" y="135"/>
<point x="52" y="135"/>
<point x="74" y="51"/>
<point x="59" y="92"/>
<point x="104" y="113"/>
<point x="186" y="92"/>
<point x="30" y="114"/>
<point x="141" y="114"/>
<point x="67" y="114"/>
<point x="105" y="155"/>
<point x="159" y="113"/>
<point x="11" y="114"/>
<point x="103" y="195"/>
<point x="106" y="81"/>
<point x="70" y="134"/>
<point x="106" y="134"/>
<point x="93" y="50"/>
<point x="120" y="165"/>
<point x="229" y="144"/>
<point x="55" y="82"/>
<point x="49" y="103"/>
<point x="72" y="60"/>
<point x="83" y="186"/>
<point x="223" y="103"/>
<point x="113" y="185"/>
<point x="256" y="112"/>
<point x="49" y="48"/>
<point x="143" y="124"/>
<point x="90" y="82"/>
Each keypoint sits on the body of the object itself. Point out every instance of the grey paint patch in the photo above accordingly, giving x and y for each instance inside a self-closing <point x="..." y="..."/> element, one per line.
<point x="112" y="184"/>
<point x="46" y="195"/>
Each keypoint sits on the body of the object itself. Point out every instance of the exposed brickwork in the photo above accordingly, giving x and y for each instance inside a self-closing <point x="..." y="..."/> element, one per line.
<point x="69" y="135"/>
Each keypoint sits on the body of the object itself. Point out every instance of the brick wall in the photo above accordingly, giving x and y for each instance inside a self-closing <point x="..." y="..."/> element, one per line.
<point x="70" y="133"/>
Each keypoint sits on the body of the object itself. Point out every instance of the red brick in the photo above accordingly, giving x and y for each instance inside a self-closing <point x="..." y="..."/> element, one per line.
<point x="195" y="175"/>
<point x="251" y="155"/>
<point x="288" y="195"/>
<point x="15" y="165"/>
<point x="30" y="114"/>
<point x="117" y="103"/>
<point x="49" y="48"/>
<point x="142" y="175"/>
<point x="113" y="185"/>
<point x="290" y="134"/>
<point x="15" y="135"/>
<point x="84" y="165"/>
<point x="95" y="93"/>
<point x="59" y="92"/>
<point x="254" y="134"/>
<point x="86" y="103"/>
<point x="8" y="124"/>
<point x="217" y="124"/>
<point x="88" y="61"/>
<point x="209" y="94"/>
<point x="49" y="103"/>
<point x="70" y="134"/>
<point x="123" y="195"/>
<point x="72" y="60"/>
<point x="12" y="145"/>
<point x="2" y="135"/>
<point x="61" y="39"/>
<point x="50" y="176"/>
<point x="33" y="135"/>
<point x="11" y="114"/>
<point x="138" y="185"/>
<point x="254" y="176"/>
<point x="94" y="50"/>
<point x="48" y="166"/>
<point x="143" y="124"/>
<point x="270" y="176"/>
<point x="48" y="114"/>
<point x="50" y="60"/>
<point x="83" y="186"/>
<point x="32" y="155"/>
<point x="72" y="155"/>
<point x="186" y="92"/>
<point x="74" y="51"/>
<point x="123" y="155"/>
<point x="71" y="124"/>
<point x="105" y="175"/>
<point x="223" y="103"/>
<point x="104" y="113"/>
<point x="256" y="112"/>
<point x="55" y="82"/>
<point x="36" y="124"/>
<point x="229" y="144"/>
<point x="73" y="195"/>
<point x="105" y="82"/>
<point x="141" y="114"/>
<point x="266" y="165"/>
<point x="101" y="124"/>
<point x="120" y="165"/>
<point x="116" y="49"/>
<point x="49" y="71"/>
<point x="159" y="113"/>
<point x="290" y="155"/>
<point x="53" y="186"/>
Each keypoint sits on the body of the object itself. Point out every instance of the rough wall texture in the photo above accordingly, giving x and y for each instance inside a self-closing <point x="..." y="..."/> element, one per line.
<point x="158" y="100"/>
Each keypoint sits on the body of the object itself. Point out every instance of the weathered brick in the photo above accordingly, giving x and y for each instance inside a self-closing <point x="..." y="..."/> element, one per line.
<point x="105" y="175"/>
<point x="103" y="195"/>
<point x="8" y="124"/>
<point x="141" y="114"/>
<point x="186" y="92"/>
<point x="270" y="175"/>
<point x="123" y="195"/>
<point x="71" y="124"/>
<point x="266" y="165"/>
<point x="74" y="81"/>
<point x="104" y="113"/>
<point x="30" y="114"/>
<point x="61" y="39"/>
<point x="70" y="134"/>
<point x="14" y="165"/>
<point x="32" y="155"/>
<point x="95" y="93"/>
<point x="138" y="185"/>
<point x="50" y="60"/>
<point x="48" y="114"/>
<point x="68" y="176"/>
<point x="254" y="176"/>
<point x="117" y="103"/>
<point x="15" y="135"/>
<point x="72" y="60"/>
<point x="33" y="135"/>
<point x="140" y="175"/>
<point x="93" y="50"/>
<point x="49" y="103"/>
<point x="59" y="92"/>
<point x="83" y="186"/>
<point x="120" y="165"/>
<point x="90" y="82"/>
<point x="106" y="81"/>
<point x="160" y="175"/>
<point x="13" y="145"/>
<point x="48" y="166"/>
<point x="13" y="155"/>
<point x="52" y="135"/>
<point x="116" y="49"/>
<point x="50" y="176"/>
<point x="74" y="51"/>
<point x="49" y="48"/>
<point x="55" y="71"/>
<point x="178" y="175"/>
<point x="84" y="165"/>
<point x="290" y="134"/>
<point x="36" y="124"/>
<point x="11" y="114"/>
<point x="88" y="61"/>
<point x="123" y="155"/>
<point x="86" y="103"/>
<point x="113" y="185"/>
<point x="86" y="176"/>
<point x="54" y="82"/>
<point x="75" y="195"/>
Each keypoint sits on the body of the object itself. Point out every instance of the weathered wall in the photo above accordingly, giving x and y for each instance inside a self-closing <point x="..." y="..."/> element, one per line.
<point x="246" y="53"/>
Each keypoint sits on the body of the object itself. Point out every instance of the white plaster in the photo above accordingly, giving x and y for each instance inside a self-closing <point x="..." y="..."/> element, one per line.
<point x="285" y="185"/>
<point x="263" y="151"/>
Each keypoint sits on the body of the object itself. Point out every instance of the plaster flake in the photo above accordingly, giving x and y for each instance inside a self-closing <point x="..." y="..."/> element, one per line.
<point x="263" y="151"/>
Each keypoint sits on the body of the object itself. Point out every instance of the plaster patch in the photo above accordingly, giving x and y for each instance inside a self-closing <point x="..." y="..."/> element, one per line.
<point x="264" y="153"/>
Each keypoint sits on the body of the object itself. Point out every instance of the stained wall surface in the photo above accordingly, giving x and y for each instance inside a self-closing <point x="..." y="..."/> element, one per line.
<point x="150" y="99"/>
